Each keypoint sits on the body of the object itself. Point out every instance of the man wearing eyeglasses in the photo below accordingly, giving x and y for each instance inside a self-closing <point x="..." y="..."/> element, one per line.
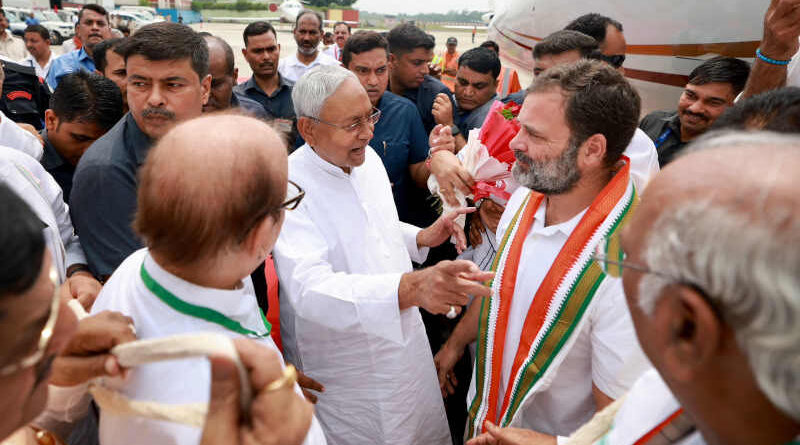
<point x="349" y="307"/>
<point x="209" y="209"/>
<point x="609" y="36"/>
<point x="553" y="344"/>
<point x="398" y="137"/>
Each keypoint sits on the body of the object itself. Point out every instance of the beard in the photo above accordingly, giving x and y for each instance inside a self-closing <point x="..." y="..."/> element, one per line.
<point x="549" y="177"/>
<point x="307" y="50"/>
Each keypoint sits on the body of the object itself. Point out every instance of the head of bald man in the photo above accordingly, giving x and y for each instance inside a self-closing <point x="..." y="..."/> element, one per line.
<point x="712" y="284"/>
<point x="209" y="197"/>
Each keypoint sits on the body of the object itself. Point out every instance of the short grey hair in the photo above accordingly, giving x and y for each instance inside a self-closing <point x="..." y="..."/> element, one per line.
<point x="316" y="86"/>
<point x="747" y="263"/>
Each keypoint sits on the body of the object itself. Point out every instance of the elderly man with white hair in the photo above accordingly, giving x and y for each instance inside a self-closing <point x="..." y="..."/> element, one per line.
<point x="711" y="279"/>
<point x="349" y="297"/>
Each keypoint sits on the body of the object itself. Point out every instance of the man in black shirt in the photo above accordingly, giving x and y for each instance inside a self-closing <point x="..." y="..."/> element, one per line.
<point x="411" y="53"/>
<point x="712" y="88"/>
<point x="83" y="107"/>
<point x="168" y="82"/>
<point x="267" y="87"/>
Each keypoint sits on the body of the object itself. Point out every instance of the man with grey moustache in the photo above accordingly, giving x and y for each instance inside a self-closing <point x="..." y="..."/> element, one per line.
<point x="168" y="82"/>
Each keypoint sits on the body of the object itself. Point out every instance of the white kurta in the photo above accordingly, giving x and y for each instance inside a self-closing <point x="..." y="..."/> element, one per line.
<point x="644" y="159"/>
<point x="605" y="352"/>
<point x="178" y="381"/>
<point x="28" y="179"/>
<point x="647" y="405"/>
<point x="11" y="135"/>
<point x="339" y="257"/>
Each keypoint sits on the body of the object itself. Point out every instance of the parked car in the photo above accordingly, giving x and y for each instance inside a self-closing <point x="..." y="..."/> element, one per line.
<point x="59" y="29"/>
<point x="131" y="19"/>
<point x="15" y="24"/>
<point x="147" y="12"/>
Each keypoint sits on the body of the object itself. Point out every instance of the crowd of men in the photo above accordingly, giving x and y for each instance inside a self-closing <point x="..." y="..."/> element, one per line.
<point x="628" y="292"/>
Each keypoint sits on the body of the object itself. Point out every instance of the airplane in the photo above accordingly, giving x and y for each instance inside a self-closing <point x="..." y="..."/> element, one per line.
<point x="289" y="9"/>
<point x="666" y="38"/>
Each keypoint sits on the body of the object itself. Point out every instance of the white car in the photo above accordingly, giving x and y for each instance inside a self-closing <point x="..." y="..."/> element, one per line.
<point x="131" y="19"/>
<point x="15" y="25"/>
<point x="59" y="30"/>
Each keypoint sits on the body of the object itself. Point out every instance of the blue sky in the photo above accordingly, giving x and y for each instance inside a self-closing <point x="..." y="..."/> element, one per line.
<point x="420" y="6"/>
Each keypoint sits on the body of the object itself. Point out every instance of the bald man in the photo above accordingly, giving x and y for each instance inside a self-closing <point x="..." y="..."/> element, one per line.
<point x="711" y="283"/>
<point x="202" y="242"/>
<point x="223" y="78"/>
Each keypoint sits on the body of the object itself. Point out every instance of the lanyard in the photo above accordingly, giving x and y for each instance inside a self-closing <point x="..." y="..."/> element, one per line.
<point x="201" y="312"/>
<point x="661" y="139"/>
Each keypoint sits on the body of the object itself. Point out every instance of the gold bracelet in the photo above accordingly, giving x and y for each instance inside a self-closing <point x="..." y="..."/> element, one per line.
<point x="287" y="380"/>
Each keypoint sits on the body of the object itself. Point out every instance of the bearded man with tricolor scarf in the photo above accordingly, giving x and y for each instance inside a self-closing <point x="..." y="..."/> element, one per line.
<point x="555" y="342"/>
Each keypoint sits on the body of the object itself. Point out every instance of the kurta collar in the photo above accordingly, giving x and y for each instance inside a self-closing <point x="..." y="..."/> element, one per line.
<point x="236" y="304"/>
<point x="565" y="227"/>
<point x="324" y="165"/>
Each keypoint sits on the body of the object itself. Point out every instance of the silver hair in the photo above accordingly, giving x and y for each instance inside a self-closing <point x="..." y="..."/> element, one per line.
<point x="748" y="264"/>
<point x="316" y="86"/>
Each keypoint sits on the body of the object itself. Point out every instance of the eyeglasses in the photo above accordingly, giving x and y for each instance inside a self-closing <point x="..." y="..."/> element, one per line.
<point x="297" y="196"/>
<point x="615" y="60"/>
<point x="44" y="337"/>
<point x="611" y="258"/>
<point x="291" y="203"/>
<point x="372" y="119"/>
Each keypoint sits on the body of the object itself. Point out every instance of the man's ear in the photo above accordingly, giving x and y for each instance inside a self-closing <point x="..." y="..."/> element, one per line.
<point x="205" y="86"/>
<point x="694" y="332"/>
<point x="392" y="60"/>
<point x="261" y="239"/>
<point x="305" y="126"/>
<point x="50" y="120"/>
<point x="235" y="76"/>
<point x="593" y="151"/>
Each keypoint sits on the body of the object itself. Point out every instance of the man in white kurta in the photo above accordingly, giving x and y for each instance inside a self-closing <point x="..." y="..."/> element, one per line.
<point x="200" y="283"/>
<point x="32" y="183"/>
<point x="342" y="259"/>
<point x="178" y="381"/>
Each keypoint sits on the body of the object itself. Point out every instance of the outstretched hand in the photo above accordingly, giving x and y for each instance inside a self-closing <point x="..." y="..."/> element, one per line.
<point x="444" y="228"/>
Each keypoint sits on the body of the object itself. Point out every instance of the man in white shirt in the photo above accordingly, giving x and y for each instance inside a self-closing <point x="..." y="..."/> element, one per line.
<point x="10" y="46"/>
<point x="349" y="298"/>
<point x="307" y="34"/>
<point x="554" y="342"/>
<point x="37" y="41"/>
<point x="341" y="32"/>
<point x="711" y="284"/>
<point x="198" y="259"/>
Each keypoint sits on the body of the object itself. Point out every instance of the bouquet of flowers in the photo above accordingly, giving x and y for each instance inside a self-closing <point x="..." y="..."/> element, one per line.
<point x="487" y="158"/>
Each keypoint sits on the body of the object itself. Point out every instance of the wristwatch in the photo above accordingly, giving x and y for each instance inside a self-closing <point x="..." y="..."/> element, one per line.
<point x="455" y="130"/>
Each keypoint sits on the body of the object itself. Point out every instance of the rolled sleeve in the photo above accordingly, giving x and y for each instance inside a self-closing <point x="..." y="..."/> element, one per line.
<point x="336" y="300"/>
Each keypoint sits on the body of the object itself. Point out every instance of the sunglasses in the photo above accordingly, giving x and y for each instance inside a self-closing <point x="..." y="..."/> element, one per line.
<point x="615" y="60"/>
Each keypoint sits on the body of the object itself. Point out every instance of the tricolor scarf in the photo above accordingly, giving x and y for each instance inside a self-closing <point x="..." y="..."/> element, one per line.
<point x="558" y="307"/>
